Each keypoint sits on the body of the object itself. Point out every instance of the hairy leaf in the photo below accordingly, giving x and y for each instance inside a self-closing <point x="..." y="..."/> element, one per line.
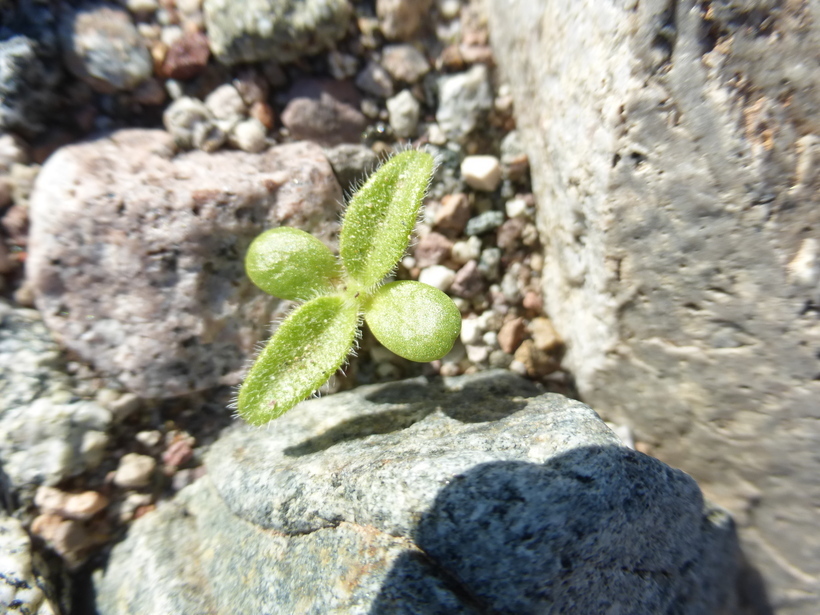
<point x="306" y="349"/>
<point x="381" y="216"/>
<point x="414" y="320"/>
<point x="291" y="264"/>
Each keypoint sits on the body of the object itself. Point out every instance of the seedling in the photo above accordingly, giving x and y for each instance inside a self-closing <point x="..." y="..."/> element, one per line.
<point x="414" y="320"/>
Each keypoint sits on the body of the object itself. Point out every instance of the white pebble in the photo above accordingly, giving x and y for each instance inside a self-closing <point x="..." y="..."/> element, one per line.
<point x="134" y="471"/>
<point x="249" y="135"/>
<point x="471" y="331"/>
<point x="516" y="208"/>
<point x="437" y="276"/>
<point x="490" y="339"/>
<point x="478" y="354"/>
<point x="225" y="103"/>
<point x="468" y="250"/>
<point x="404" y="110"/>
<point x="481" y="172"/>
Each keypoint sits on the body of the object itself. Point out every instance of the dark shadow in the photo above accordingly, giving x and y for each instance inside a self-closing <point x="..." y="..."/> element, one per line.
<point x="485" y="399"/>
<point x="595" y="530"/>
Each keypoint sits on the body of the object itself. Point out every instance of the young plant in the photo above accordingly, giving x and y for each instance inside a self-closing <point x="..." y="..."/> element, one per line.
<point x="414" y="320"/>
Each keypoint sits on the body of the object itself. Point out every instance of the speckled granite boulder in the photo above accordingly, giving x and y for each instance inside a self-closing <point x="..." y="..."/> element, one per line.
<point x="26" y="582"/>
<point x="675" y="155"/>
<point x="279" y="30"/>
<point x="136" y="256"/>
<point x="474" y="496"/>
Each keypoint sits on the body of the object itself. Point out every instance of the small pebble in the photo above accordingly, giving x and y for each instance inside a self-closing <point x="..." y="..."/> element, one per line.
<point x="134" y="471"/>
<point x="249" y="135"/>
<point x="490" y="262"/>
<point x="544" y="335"/>
<point x="478" y="354"/>
<point x="516" y="208"/>
<point x="432" y="249"/>
<point x="481" y="172"/>
<point x="404" y="62"/>
<point x="403" y="111"/>
<point x="500" y="359"/>
<point x="187" y="56"/>
<point x="437" y="276"/>
<point x="471" y="331"/>
<point x="68" y="537"/>
<point x="182" y="117"/>
<point x="453" y="214"/>
<point x="536" y="362"/>
<point x="225" y="103"/>
<point x="490" y="339"/>
<point x="401" y="19"/>
<point x="149" y="438"/>
<point x="484" y="223"/>
<point x="468" y="281"/>
<point x="342" y="65"/>
<point x="80" y="506"/>
<point x="464" y="251"/>
<point x="511" y="334"/>
<point x="374" y="80"/>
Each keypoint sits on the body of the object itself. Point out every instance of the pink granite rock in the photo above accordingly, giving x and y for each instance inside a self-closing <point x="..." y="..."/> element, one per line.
<point x="136" y="256"/>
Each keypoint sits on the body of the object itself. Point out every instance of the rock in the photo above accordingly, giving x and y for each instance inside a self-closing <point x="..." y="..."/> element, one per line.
<point x="471" y="331"/>
<point x="51" y="439"/>
<point x="79" y="506"/>
<point x="69" y="538"/>
<point x="453" y="214"/>
<point x="404" y="63"/>
<point x="437" y="276"/>
<point x="484" y="223"/>
<point x="102" y="47"/>
<point x="469" y="282"/>
<point x="28" y="78"/>
<point x="511" y="334"/>
<point x="672" y="202"/>
<point x="374" y="80"/>
<point x="136" y="259"/>
<point x="182" y="119"/>
<point x="30" y="359"/>
<point x="544" y="335"/>
<point x="536" y="363"/>
<point x="401" y="19"/>
<point x="375" y="500"/>
<point x="466" y="250"/>
<point x="249" y="136"/>
<point x="404" y="111"/>
<point x="27" y="584"/>
<point x="517" y="208"/>
<point x="351" y="163"/>
<point x="280" y="30"/>
<point x="481" y="172"/>
<point x="326" y="112"/>
<point x="509" y="234"/>
<point x="187" y="57"/>
<point x="432" y="249"/>
<point x="225" y="103"/>
<point x="489" y="263"/>
<point x="135" y="471"/>
<point x="464" y="98"/>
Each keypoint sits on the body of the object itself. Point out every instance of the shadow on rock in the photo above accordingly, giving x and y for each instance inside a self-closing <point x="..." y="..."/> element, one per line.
<point x="596" y="530"/>
<point x="476" y="402"/>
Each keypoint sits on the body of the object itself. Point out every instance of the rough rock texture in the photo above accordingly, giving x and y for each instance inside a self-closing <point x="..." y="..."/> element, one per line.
<point x="26" y="585"/>
<point x="45" y="435"/>
<point x="136" y="257"/>
<point x="475" y="496"/>
<point x="324" y="111"/>
<point x="279" y="30"/>
<point x="674" y="150"/>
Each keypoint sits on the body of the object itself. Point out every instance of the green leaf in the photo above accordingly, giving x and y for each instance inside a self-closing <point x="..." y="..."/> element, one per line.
<point x="306" y="350"/>
<point x="381" y="216"/>
<point x="291" y="264"/>
<point x="414" y="320"/>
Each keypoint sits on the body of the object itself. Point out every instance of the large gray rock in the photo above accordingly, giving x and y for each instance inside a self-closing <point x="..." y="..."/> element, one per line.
<point x="27" y="83"/>
<point x="674" y="149"/>
<point x="472" y="497"/>
<point x="136" y="256"/>
<point x="279" y="30"/>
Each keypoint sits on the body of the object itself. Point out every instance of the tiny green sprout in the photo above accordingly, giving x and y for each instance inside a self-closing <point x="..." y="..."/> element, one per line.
<point x="414" y="320"/>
